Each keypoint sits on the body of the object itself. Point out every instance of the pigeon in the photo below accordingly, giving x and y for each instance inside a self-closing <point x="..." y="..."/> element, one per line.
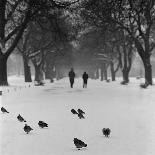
<point x="80" y="115"/>
<point x="42" y="124"/>
<point x="4" y="110"/>
<point x="74" y="111"/>
<point x="80" y="111"/>
<point x="27" y="128"/>
<point x="106" y="132"/>
<point x="20" y="118"/>
<point x="79" y="144"/>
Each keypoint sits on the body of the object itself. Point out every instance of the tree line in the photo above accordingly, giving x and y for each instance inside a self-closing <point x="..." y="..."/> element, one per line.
<point x="93" y="34"/>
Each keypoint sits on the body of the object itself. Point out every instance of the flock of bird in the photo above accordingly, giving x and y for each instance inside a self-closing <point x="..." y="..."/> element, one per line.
<point x="79" y="143"/>
<point x="80" y="113"/>
<point x="26" y="128"/>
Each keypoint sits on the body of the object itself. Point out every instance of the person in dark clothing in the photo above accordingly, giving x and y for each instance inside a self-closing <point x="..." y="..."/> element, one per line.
<point x="85" y="79"/>
<point x="71" y="77"/>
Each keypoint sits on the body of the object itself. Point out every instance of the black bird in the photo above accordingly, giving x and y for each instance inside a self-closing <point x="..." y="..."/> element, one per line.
<point x="4" y="110"/>
<point x="80" y="111"/>
<point x="42" y="124"/>
<point x="79" y="144"/>
<point x="74" y="111"/>
<point x="20" y="118"/>
<point x="80" y="115"/>
<point x="27" y="128"/>
<point x="106" y="132"/>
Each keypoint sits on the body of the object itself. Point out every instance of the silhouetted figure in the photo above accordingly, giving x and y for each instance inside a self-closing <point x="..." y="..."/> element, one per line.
<point x="79" y="144"/>
<point x="20" y="118"/>
<point x="85" y="79"/>
<point x="42" y="124"/>
<point x="71" y="77"/>
<point x="106" y="132"/>
<point x="4" y="110"/>
<point x="74" y="111"/>
<point x="27" y="128"/>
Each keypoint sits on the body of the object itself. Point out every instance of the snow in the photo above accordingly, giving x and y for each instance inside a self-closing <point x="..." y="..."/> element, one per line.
<point x="127" y="110"/>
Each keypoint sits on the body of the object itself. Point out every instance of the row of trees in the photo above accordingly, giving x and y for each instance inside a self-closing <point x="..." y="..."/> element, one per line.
<point x="130" y="25"/>
<point x="19" y="20"/>
<point x="95" y="34"/>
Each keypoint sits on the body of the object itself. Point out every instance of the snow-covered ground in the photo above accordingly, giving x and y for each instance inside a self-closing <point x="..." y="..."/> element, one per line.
<point x="128" y="111"/>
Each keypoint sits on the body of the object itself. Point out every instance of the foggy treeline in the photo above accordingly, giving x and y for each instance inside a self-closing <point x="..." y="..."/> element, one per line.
<point x="105" y="38"/>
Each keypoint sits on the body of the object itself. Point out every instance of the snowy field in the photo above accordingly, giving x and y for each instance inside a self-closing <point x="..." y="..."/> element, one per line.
<point x="128" y="111"/>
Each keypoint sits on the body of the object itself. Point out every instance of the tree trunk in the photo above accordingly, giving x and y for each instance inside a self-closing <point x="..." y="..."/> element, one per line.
<point x="147" y="66"/>
<point x="148" y="71"/>
<point x="125" y="73"/>
<point x="105" y="71"/>
<point x="48" y="69"/>
<point x="104" y="75"/>
<point x="38" y="74"/>
<point x="112" y="71"/>
<point x="101" y="73"/>
<point x="145" y="56"/>
<point x="52" y="75"/>
<point x="3" y="70"/>
<point x="47" y="74"/>
<point x="27" y="71"/>
<point x="97" y="74"/>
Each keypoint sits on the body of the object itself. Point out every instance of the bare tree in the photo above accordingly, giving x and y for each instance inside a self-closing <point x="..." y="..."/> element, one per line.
<point x="136" y="18"/>
<point x="14" y="17"/>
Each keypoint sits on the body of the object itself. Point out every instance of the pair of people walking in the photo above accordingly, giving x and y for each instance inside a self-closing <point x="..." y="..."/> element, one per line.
<point x="72" y="76"/>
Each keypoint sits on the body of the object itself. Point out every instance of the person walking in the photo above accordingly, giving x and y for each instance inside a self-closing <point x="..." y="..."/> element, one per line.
<point x="85" y="79"/>
<point x="71" y="77"/>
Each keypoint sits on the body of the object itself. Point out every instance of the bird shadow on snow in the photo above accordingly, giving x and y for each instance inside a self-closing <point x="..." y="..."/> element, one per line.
<point x="75" y="149"/>
<point x="29" y="134"/>
<point x="43" y="128"/>
<point x="32" y="133"/>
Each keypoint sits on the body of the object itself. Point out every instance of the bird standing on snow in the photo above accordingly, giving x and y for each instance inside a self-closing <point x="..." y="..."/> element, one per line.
<point x="42" y="124"/>
<point x="79" y="144"/>
<point x="74" y="111"/>
<point x="80" y="111"/>
<point x="80" y="115"/>
<point x="106" y="132"/>
<point x="4" y="110"/>
<point x="27" y="128"/>
<point x="20" y="118"/>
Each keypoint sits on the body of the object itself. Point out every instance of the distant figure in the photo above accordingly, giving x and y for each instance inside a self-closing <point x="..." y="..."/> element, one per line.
<point x="85" y="79"/>
<point x="71" y="77"/>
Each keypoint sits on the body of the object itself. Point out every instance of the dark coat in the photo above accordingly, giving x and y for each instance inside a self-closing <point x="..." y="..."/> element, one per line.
<point x="85" y="76"/>
<point x="71" y="75"/>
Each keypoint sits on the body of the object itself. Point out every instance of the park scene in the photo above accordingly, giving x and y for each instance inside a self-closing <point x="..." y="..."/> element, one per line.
<point x="77" y="77"/>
